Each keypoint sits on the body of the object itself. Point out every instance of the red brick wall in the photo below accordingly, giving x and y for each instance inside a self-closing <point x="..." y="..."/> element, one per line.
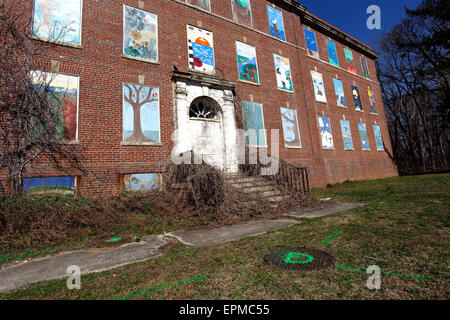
<point x="102" y="70"/>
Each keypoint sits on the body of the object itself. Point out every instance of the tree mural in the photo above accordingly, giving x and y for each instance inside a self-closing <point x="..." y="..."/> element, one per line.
<point x="250" y="71"/>
<point x="290" y="127"/>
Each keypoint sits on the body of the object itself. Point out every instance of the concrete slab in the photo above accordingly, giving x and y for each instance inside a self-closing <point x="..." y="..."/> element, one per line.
<point x="225" y="234"/>
<point x="325" y="209"/>
<point x="89" y="261"/>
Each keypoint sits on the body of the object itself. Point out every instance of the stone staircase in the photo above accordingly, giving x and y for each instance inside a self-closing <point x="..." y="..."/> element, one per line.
<point x="258" y="188"/>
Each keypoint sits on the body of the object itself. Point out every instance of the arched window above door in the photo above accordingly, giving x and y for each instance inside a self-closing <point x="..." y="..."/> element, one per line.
<point x="203" y="108"/>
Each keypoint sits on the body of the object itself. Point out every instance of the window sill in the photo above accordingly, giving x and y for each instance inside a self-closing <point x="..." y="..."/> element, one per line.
<point x="140" y="143"/>
<point x="60" y="43"/>
<point x="140" y="59"/>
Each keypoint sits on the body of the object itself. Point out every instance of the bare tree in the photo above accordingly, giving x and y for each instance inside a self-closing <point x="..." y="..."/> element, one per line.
<point x="31" y="114"/>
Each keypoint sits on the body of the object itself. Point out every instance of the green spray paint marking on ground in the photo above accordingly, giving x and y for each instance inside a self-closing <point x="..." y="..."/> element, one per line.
<point x="25" y="255"/>
<point x="295" y="255"/>
<point x="114" y="239"/>
<point x="403" y="275"/>
<point x="334" y="235"/>
<point x="383" y="203"/>
<point x="145" y="292"/>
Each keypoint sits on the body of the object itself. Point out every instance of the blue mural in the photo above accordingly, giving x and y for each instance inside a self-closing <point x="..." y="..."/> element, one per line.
<point x="347" y="135"/>
<point x="378" y="139"/>
<point x="332" y="54"/>
<point x="142" y="181"/>
<point x="253" y="123"/>
<point x="356" y="98"/>
<point x="276" y="23"/>
<point x="58" y="20"/>
<point x="291" y="131"/>
<point x="363" y="135"/>
<point x="339" y="91"/>
<point x="326" y="137"/>
<point x="311" y="44"/>
<point x="49" y="183"/>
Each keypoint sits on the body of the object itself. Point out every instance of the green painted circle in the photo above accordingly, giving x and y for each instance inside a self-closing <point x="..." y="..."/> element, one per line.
<point x="294" y="255"/>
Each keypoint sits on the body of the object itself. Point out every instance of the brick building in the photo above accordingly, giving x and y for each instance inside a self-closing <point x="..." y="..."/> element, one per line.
<point x="138" y="70"/>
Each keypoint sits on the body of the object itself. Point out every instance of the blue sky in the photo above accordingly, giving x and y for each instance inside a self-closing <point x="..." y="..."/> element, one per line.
<point x="350" y="15"/>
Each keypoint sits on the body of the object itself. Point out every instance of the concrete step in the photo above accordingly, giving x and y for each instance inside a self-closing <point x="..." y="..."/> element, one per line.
<point x="263" y="194"/>
<point x="251" y="184"/>
<point x="244" y="179"/>
<point x="257" y="189"/>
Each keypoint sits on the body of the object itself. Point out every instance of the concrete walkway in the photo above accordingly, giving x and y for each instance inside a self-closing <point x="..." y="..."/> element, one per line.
<point x="212" y="237"/>
<point x="89" y="261"/>
<point x="325" y="209"/>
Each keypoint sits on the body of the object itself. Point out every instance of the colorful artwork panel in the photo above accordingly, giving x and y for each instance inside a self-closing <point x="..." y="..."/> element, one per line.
<point x="200" y="49"/>
<point x="283" y="73"/>
<point x="254" y="124"/>
<point x="242" y="12"/>
<point x="349" y="60"/>
<point x="247" y="63"/>
<point x="356" y="98"/>
<point x="365" y="67"/>
<point x="204" y="4"/>
<point x="63" y="96"/>
<point x="276" y="23"/>
<point x="363" y="135"/>
<point x="378" y="138"/>
<point x="142" y="181"/>
<point x="291" y="130"/>
<point x="326" y="136"/>
<point x="311" y="44"/>
<point x="58" y="20"/>
<point x="140" y="114"/>
<point x="371" y="101"/>
<point x="140" y="34"/>
<point x="319" y="88"/>
<point x="332" y="53"/>
<point x="339" y="91"/>
<point x="48" y="184"/>
<point x="347" y="135"/>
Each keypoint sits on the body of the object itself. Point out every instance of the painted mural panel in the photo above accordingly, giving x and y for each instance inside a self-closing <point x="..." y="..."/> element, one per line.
<point x="276" y="23"/>
<point x="205" y="4"/>
<point x="200" y="49"/>
<point x="311" y="44"/>
<point x="349" y="60"/>
<point x="63" y="96"/>
<point x="326" y="136"/>
<point x="347" y="135"/>
<point x="242" y="12"/>
<point x="365" y="67"/>
<point x="142" y="181"/>
<point x="58" y="20"/>
<point x="319" y="88"/>
<point x="140" y="114"/>
<point x="363" y="135"/>
<point x="63" y="184"/>
<point x="140" y="34"/>
<point x="339" y="91"/>
<point x="371" y="101"/>
<point x="254" y="123"/>
<point x="291" y="130"/>
<point x="283" y="73"/>
<point x="332" y="53"/>
<point x="378" y="138"/>
<point x="247" y="63"/>
<point x="356" y="98"/>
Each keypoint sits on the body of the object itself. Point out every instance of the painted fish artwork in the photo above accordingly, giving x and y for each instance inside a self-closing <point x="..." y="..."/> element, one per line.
<point x="140" y="114"/>
<point x="254" y="124"/>
<point x="378" y="138"/>
<point x="326" y="136"/>
<point x="347" y="135"/>
<point x="283" y="73"/>
<point x="276" y="23"/>
<point x="242" y="12"/>
<point x="46" y="184"/>
<point x="332" y="53"/>
<point x="291" y="130"/>
<point x="364" y="67"/>
<point x="363" y="135"/>
<point x="247" y="63"/>
<point x="204" y="4"/>
<point x="319" y="89"/>
<point x="58" y="20"/>
<point x="371" y="102"/>
<point x="311" y="44"/>
<point x="339" y="91"/>
<point x="63" y="97"/>
<point x="140" y="34"/>
<point x="356" y="98"/>
<point x="200" y="49"/>
<point x="142" y="181"/>
<point x="349" y="60"/>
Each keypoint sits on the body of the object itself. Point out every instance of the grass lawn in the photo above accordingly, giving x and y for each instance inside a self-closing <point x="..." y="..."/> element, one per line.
<point x="403" y="229"/>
